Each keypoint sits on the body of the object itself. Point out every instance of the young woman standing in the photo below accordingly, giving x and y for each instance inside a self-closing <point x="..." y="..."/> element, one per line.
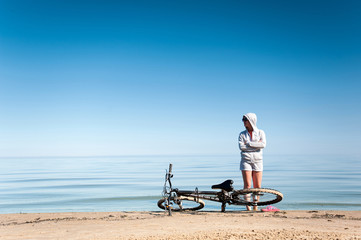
<point x="251" y="142"/>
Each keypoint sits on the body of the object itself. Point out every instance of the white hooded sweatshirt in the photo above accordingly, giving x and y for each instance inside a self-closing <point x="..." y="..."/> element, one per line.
<point x="251" y="149"/>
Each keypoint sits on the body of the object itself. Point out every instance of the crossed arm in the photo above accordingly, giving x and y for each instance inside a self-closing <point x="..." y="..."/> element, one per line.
<point x="250" y="146"/>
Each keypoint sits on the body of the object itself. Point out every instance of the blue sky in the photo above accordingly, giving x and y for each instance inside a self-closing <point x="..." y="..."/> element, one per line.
<point x="95" y="78"/>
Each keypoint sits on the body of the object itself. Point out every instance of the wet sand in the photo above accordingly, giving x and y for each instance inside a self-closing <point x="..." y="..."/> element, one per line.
<point x="186" y="225"/>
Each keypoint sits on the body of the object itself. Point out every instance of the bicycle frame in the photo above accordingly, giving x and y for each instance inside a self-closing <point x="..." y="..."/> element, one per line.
<point x="215" y="196"/>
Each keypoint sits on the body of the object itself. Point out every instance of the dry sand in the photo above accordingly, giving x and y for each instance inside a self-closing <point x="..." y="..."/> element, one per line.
<point x="186" y="225"/>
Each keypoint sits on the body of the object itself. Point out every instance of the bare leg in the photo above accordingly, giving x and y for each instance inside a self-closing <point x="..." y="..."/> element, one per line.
<point x="247" y="182"/>
<point x="257" y="180"/>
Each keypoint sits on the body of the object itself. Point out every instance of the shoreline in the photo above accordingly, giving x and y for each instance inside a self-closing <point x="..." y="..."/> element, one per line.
<point x="293" y="224"/>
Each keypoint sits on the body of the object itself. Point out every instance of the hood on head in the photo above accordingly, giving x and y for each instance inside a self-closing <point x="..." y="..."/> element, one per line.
<point x="252" y="118"/>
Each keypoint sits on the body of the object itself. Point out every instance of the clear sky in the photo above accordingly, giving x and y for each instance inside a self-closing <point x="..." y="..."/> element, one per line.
<point x="95" y="78"/>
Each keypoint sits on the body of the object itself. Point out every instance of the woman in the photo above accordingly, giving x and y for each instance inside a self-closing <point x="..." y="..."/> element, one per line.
<point x="251" y="142"/>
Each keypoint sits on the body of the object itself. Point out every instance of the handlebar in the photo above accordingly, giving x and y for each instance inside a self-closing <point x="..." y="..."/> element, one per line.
<point x="170" y="168"/>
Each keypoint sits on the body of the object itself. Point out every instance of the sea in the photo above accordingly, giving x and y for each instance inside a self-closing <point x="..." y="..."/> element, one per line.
<point x="135" y="183"/>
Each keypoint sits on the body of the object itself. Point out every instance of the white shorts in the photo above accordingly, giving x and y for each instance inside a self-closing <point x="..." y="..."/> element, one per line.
<point x="248" y="165"/>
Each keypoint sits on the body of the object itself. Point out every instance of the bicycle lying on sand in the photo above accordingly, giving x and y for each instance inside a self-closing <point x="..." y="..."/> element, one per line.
<point x="185" y="200"/>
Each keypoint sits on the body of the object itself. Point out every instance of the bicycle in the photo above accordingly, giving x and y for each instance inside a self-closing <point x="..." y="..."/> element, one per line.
<point x="185" y="200"/>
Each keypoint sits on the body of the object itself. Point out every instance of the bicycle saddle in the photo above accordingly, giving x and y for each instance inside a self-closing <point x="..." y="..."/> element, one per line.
<point x="226" y="186"/>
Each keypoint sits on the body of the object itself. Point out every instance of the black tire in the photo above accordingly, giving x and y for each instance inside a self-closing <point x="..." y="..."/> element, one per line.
<point x="196" y="204"/>
<point x="266" y="196"/>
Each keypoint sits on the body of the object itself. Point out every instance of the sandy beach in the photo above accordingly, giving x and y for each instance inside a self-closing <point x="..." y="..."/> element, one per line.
<point x="186" y="225"/>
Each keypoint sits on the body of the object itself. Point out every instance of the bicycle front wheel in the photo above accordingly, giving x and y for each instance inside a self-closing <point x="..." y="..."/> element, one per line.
<point x="181" y="203"/>
<point x="257" y="196"/>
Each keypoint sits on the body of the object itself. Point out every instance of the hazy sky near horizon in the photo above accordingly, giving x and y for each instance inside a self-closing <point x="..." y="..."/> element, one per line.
<point x="90" y="78"/>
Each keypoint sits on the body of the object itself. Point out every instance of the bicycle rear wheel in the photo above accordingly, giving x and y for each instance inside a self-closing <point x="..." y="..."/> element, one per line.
<point x="257" y="196"/>
<point x="182" y="203"/>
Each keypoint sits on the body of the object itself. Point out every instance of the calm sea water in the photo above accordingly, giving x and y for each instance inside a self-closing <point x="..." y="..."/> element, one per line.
<point x="135" y="183"/>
